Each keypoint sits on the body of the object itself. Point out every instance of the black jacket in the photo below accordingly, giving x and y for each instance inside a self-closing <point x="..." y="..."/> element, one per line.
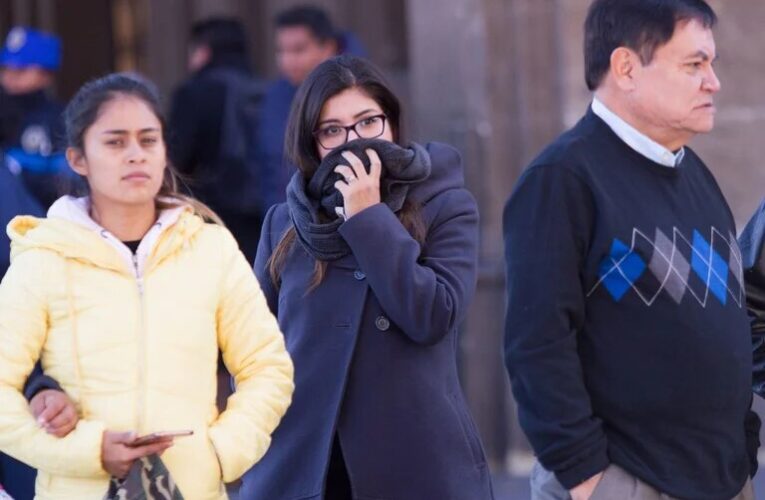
<point x="196" y="115"/>
<point x="751" y="241"/>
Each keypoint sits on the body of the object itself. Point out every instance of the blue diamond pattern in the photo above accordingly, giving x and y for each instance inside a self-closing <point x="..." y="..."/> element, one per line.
<point x="632" y="268"/>
<point x="624" y="267"/>
<point x="718" y="281"/>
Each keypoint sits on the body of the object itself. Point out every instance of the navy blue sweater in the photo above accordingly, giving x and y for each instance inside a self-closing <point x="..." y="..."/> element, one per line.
<point x="627" y="339"/>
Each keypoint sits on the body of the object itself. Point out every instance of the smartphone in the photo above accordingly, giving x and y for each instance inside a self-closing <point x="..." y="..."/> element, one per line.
<point x="156" y="436"/>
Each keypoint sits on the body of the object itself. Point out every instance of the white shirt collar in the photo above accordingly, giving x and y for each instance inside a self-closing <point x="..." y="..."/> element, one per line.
<point x="636" y="139"/>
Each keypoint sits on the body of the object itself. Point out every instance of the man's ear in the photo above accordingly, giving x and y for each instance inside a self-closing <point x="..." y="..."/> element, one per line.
<point x="331" y="47"/>
<point x="76" y="159"/>
<point x="624" y="65"/>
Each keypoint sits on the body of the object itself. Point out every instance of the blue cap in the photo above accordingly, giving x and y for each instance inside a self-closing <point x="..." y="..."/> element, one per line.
<point x="27" y="47"/>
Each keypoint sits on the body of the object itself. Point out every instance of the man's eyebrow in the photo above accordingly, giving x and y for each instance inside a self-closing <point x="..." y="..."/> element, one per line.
<point x="122" y="132"/>
<point x="701" y="54"/>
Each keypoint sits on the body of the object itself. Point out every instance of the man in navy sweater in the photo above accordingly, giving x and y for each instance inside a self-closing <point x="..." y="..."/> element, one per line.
<point x="627" y="339"/>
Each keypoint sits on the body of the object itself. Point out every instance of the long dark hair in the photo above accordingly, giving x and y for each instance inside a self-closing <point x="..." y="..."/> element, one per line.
<point x="326" y="81"/>
<point x="84" y="108"/>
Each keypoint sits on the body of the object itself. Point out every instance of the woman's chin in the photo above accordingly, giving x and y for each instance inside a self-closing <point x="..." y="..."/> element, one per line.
<point x="134" y="197"/>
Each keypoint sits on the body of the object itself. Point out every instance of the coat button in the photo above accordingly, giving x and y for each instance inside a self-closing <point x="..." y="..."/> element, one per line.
<point x="382" y="323"/>
<point x="359" y="275"/>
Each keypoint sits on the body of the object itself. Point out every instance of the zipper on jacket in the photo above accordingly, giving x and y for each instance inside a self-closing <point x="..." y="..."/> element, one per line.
<point x="141" y="359"/>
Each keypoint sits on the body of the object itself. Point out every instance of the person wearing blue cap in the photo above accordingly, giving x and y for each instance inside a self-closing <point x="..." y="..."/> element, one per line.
<point x="17" y="479"/>
<point x="31" y="131"/>
<point x="29" y="124"/>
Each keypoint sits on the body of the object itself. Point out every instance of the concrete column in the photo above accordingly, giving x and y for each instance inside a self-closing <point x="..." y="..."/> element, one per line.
<point x="87" y="43"/>
<point x="206" y="8"/>
<point x="22" y="12"/>
<point x="484" y="77"/>
<point x="164" y="32"/>
<point x="46" y="13"/>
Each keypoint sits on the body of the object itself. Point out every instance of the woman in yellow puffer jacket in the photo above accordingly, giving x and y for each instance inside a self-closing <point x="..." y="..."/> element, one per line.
<point x="127" y="296"/>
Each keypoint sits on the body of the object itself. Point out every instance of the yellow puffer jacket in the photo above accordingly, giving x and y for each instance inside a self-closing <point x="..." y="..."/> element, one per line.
<point x="137" y="349"/>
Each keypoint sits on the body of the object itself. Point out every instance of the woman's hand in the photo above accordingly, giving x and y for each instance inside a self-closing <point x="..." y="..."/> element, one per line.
<point x="55" y="412"/>
<point x="117" y="456"/>
<point x="360" y="190"/>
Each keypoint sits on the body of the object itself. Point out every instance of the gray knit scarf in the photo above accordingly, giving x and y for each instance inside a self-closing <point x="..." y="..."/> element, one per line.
<point x="312" y="202"/>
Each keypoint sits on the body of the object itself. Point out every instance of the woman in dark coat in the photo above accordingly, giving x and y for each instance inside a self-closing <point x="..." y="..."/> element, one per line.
<point x="370" y="267"/>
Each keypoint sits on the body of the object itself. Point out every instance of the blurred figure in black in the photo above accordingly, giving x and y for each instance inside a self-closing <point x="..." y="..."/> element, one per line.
<point x="214" y="119"/>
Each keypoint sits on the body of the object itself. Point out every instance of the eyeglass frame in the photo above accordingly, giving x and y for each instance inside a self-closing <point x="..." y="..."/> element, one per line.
<point x="348" y="129"/>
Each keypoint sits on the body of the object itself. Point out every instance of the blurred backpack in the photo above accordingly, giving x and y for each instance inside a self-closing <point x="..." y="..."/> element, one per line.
<point x="234" y="183"/>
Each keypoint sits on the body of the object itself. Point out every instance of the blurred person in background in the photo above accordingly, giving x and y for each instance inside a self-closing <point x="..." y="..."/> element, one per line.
<point x="31" y="129"/>
<point x="17" y="478"/>
<point x="305" y="37"/>
<point x="213" y="119"/>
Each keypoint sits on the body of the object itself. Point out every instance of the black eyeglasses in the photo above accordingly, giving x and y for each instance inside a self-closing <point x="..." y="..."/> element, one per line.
<point x="332" y="136"/>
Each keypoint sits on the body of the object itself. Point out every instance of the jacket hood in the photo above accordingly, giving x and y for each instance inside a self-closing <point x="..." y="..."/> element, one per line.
<point x="446" y="173"/>
<point x="70" y="232"/>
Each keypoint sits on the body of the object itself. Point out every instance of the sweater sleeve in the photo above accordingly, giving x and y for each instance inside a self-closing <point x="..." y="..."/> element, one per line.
<point x="255" y="355"/>
<point x="425" y="291"/>
<point x="23" y="330"/>
<point x="38" y="382"/>
<point x="547" y="229"/>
